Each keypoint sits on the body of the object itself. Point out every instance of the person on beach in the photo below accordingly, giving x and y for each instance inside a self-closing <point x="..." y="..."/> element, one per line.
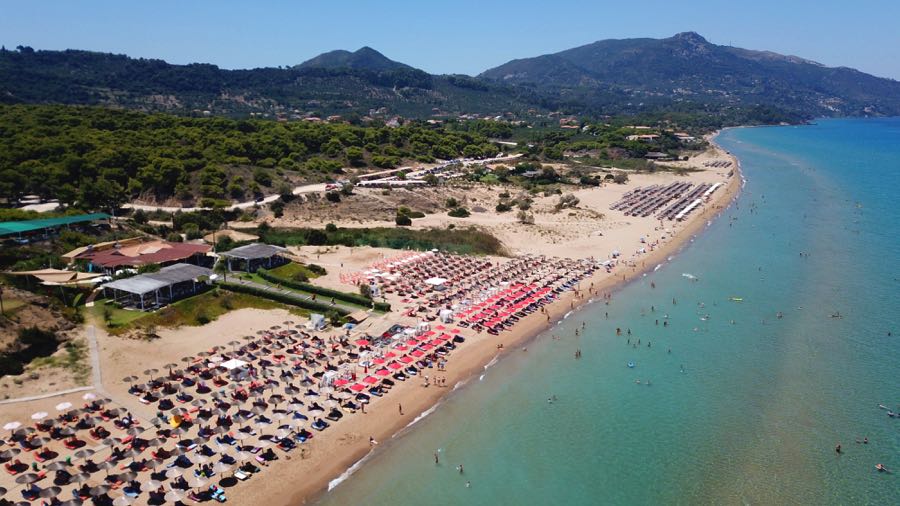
<point x="460" y="468"/>
<point x="400" y="408"/>
<point x="372" y="441"/>
<point x="837" y="449"/>
<point x="436" y="459"/>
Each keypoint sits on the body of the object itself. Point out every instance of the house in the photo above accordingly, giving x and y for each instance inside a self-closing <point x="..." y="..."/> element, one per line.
<point x="139" y="254"/>
<point x="253" y="256"/>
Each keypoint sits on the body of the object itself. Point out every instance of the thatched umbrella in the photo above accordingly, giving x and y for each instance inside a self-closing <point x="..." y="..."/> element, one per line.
<point x="150" y="485"/>
<point x="174" y="495"/>
<point x="27" y="478"/>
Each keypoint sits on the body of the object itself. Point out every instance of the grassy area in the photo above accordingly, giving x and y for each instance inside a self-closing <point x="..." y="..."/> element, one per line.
<point x="10" y="305"/>
<point x="74" y="360"/>
<point x="117" y="317"/>
<point x="200" y="310"/>
<point x="289" y="270"/>
<point x="259" y="279"/>
<point x="468" y="240"/>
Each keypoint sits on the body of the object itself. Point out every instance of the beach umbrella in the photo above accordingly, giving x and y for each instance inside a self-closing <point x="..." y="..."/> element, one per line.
<point x="49" y="492"/>
<point x="80" y="477"/>
<point x="197" y="481"/>
<point x="242" y="456"/>
<point x="221" y="467"/>
<point x="12" y="426"/>
<point x="240" y="436"/>
<point x="99" y="490"/>
<point x="89" y="396"/>
<point x="129" y="379"/>
<point x="123" y="500"/>
<point x="174" y="495"/>
<point x="27" y="478"/>
<point x="282" y="433"/>
<point x="150" y="485"/>
<point x="200" y="459"/>
<point x="85" y="452"/>
<point x="3" y="491"/>
<point x="173" y="472"/>
<point x="67" y="431"/>
<point x="39" y="441"/>
<point x="153" y="463"/>
<point x="9" y="453"/>
<point x="170" y="366"/>
<point x="62" y="406"/>
<point x="40" y="415"/>
<point x="57" y="466"/>
<point x="127" y="476"/>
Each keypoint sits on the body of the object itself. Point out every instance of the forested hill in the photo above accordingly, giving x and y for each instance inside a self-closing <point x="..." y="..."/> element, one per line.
<point x="684" y="73"/>
<point x="97" y="158"/>
<point x="343" y="83"/>
<point x="686" y="68"/>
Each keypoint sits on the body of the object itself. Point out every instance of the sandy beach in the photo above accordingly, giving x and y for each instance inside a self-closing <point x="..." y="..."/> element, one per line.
<point x="302" y="475"/>
<point x="301" y="482"/>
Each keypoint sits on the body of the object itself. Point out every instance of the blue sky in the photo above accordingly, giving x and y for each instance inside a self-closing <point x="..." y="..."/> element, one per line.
<point x="460" y="36"/>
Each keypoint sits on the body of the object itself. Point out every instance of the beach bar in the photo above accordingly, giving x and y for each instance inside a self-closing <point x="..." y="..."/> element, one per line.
<point x="251" y="257"/>
<point x="151" y="291"/>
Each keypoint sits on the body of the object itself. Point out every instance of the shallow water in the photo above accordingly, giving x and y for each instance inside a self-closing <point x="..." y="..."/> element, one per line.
<point x="755" y="415"/>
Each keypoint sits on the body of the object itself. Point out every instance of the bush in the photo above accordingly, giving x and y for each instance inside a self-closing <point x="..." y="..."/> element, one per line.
<point x="365" y="290"/>
<point x="277" y="208"/>
<point x="503" y="207"/>
<point x="331" y="227"/>
<point x="174" y="237"/>
<point x="324" y="292"/>
<point x="459" y="212"/>
<point x="451" y="203"/>
<point x="525" y="218"/>
<point x="317" y="269"/>
<point x="566" y="201"/>
<point x="333" y="197"/>
<point x="284" y="298"/>
<point x="620" y="178"/>
<point x="402" y="220"/>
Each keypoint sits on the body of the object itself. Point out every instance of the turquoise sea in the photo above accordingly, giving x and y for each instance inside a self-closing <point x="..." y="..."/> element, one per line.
<point x="756" y="414"/>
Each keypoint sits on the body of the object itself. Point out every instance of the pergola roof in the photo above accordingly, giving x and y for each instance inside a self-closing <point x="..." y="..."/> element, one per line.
<point x="166" y="276"/>
<point x="254" y="251"/>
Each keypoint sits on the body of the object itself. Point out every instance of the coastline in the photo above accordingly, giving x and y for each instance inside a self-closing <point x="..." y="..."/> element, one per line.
<point x="346" y="448"/>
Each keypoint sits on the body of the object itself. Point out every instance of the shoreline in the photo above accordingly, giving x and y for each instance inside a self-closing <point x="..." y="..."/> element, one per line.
<point x="325" y="469"/>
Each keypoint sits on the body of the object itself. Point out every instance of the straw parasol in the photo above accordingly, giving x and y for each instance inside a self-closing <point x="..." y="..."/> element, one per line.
<point x="62" y="406"/>
<point x="221" y="467"/>
<point x="40" y="415"/>
<point x="27" y="478"/>
<point x="57" y="466"/>
<point x="99" y="490"/>
<point x="9" y="453"/>
<point x="90" y="396"/>
<point x="49" y="492"/>
<point x="150" y="485"/>
<point x="197" y="481"/>
<point x="85" y="452"/>
<point x="123" y="500"/>
<point x="174" y="495"/>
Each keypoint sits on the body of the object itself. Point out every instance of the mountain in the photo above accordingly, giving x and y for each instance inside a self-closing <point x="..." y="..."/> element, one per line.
<point x="688" y="69"/>
<point x="364" y="58"/>
<point x="339" y="82"/>
<point x="680" y="74"/>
